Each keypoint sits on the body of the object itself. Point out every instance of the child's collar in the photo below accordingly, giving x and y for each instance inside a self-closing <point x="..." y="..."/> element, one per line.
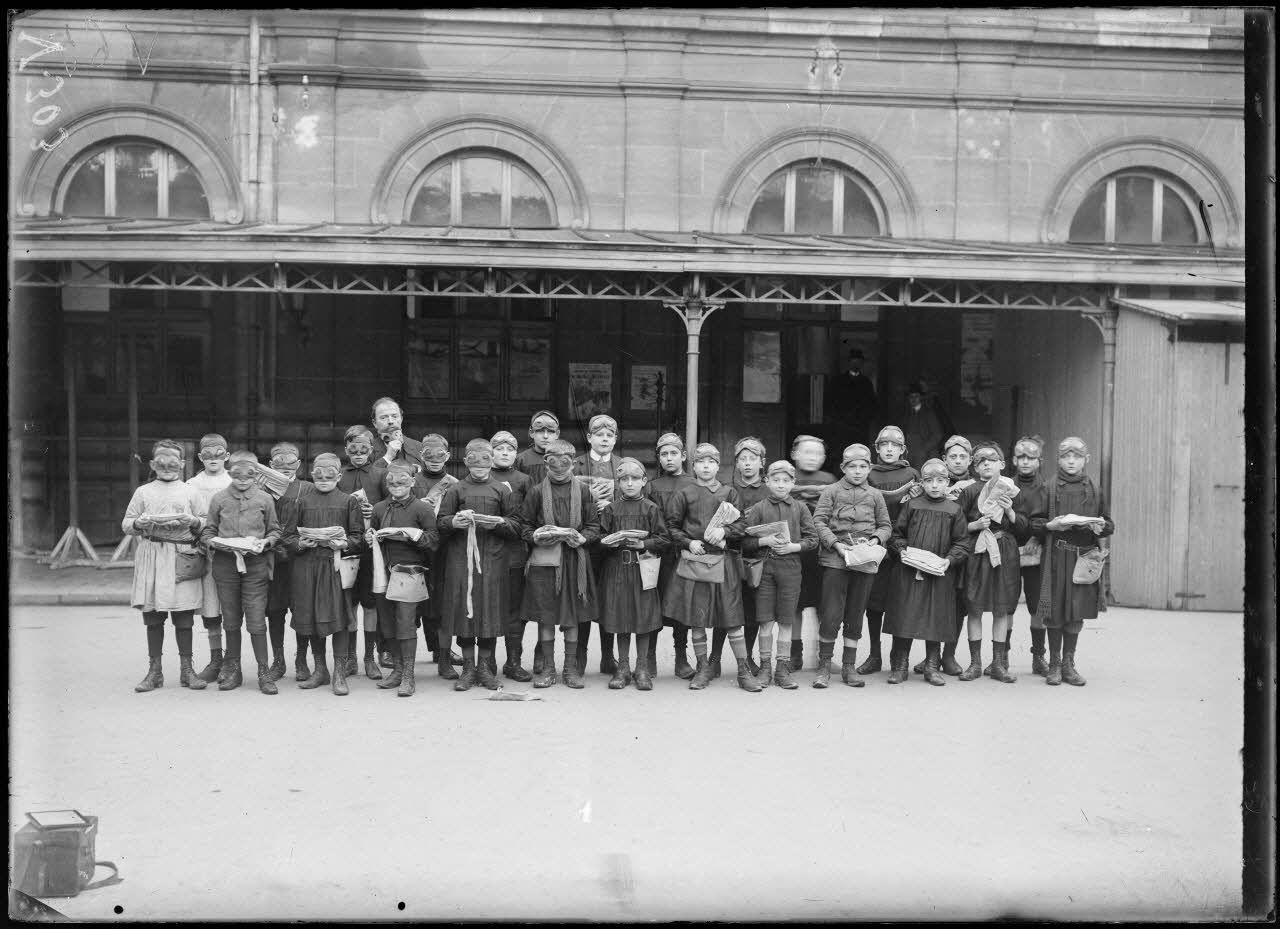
<point x="713" y="485"/>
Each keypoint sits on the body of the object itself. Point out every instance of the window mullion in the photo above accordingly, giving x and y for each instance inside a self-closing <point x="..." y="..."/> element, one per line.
<point x="455" y="192"/>
<point x="789" y="203"/>
<point x="837" y="203"/>
<point x="162" y="179"/>
<point x="1157" y="211"/>
<point x="109" y="182"/>
<point x="1109" y="213"/>
<point x="504" y="209"/>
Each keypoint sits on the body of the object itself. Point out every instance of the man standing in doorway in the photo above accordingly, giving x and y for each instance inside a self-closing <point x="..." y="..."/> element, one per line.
<point x="852" y="403"/>
<point x="920" y="425"/>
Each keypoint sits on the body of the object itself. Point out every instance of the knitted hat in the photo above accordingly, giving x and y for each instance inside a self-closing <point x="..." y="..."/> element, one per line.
<point x="958" y="440"/>
<point x="478" y="453"/>
<point x="988" y="451"/>
<point x="504" y="438"/>
<point x="547" y="413"/>
<point x="629" y="466"/>
<point x="781" y="467"/>
<point x="669" y="438"/>
<point x="560" y="447"/>
<point x="749" y="444"/>
<point x="933" y="468"/>
<point x="855" y="452"/>
<point x="1030" y="445"/>
<point x="801" y="439"/>
<point x="891" y="434"/>
<point x="706" y="450"/>
<point x="1072" y="444"/>
<point x="602" y="421"/>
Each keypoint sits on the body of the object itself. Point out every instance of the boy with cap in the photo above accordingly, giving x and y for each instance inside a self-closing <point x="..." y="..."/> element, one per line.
<point x="544" y="428"/>
<point x="518" y="483"/>
<point x="284" y="458"/>
<point x="779" y="590"/>
<point x="362" y="473"/>
<point x="168" y="515"/>
<point x="1065" y="605"/>
<point x="957" y="454"/>
<point x="808" y="453"/>
<point x="706" y="591"/>
<point x="670" y="479"/>
<point x="923" y="604"/>
<point x="598" y="469"/>
<point x="626" y="607"/>
<point x="560" y="589"/>
<point x="896" y="480"/>
<point x="748" y="481"/>
<point x="475" y="591"/>
<point x="1032" y="498"/>
<point x="414" y="536"/>
<point x="992" y="579"/>
<point x="318" y="600"/>
<point x="430" y="486"/>
<point x="849" y="513"/>
<point x="207" y="482"/>
<point x="242" y="511"/>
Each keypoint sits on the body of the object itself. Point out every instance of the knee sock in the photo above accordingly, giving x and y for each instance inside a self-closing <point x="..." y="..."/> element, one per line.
<point x="606" y="645"/>
<point x="750" y="632"/>
<point x="931" y="650"/>
<point x="155" y="641"/>
<point x="738" y="643"/>
<point x="680" y="637"/>
<point x="488" y="645"/>
<point x="372" y="641"/>
<point x="184" y="642"/>
<point x="318" y="650"/>
<point x="826" y="648"/>
<point x="850" y="650"/>
<point x="233" y="644"/>
<point x="341" y="646"/>
<point x="259" y="642"/>
<point x="765" y="633"/>
<point x="583" y="637"/>
<point x="700" y="644"/>
<point x="717" y="643"/>
<point x="304" y="642"/>
<point x="394" y="650"/>
<point x="784" y="641"/>
<point x="213" y="626"/>
<point x="467" y="646"/>
<point x="975" y="649"/>
<point x="624" y="649"/>
<point x="645" y="644"/>
<point x="275" y="629"/>
<point x="547" y="642"/>
<point x="1037" y="641"/>
<point x="1055" y="644"/>
<point x="901" y="648"/>
<point x="1069" y="640"/>
<point x="875" y="623"/>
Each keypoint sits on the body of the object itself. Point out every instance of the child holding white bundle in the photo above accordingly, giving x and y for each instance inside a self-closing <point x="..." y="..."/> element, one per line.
<point x="213" y="478"/>
<point x="670" y="479"/>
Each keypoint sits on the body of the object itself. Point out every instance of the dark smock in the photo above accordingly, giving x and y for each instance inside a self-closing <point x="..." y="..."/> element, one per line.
<point x="430" y="608"/>
<point x="532" y="463"/>
<point x="1032" y="499"/>
<point x="925" y="607"/>
<point x="395" y="618"/>
<point x="1071" y="602"/>
<point x="319" y="605"/>
<point x="625" y="606"/>
<point x="989" y="588"/>
<point x="489" y="594"/>
<point x="808" y="487"/>
<point x="660" y="490"/>
<point x="700" y="604"/>
<point x="572" y="604"/>
<point x="368" y="477"/>
<point x="888" y="478"/>
<point x="517" y="551"/>
<point x="280" y="592"/>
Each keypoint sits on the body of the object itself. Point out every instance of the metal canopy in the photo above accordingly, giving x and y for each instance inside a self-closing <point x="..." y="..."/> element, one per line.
<point x="1187" y="312"/>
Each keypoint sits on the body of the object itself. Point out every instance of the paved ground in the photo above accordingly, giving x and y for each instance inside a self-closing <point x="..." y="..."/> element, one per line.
<point x="1116" y="801"/>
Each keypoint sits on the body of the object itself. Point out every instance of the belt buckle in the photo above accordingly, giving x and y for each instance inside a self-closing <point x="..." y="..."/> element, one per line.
<point x="628" y="556"/>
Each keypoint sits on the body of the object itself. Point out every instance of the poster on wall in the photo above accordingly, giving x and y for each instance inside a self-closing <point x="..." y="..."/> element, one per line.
<point x="761" y="367"/>
<point x="590" y="390"/>
<point x="977" y="351"/>
<point x="648" y="385"/>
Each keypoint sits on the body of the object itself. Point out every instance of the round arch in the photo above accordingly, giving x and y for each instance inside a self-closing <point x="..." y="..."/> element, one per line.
<point x="1149" y="153"/>
<point x="391" y="192"/>
<point x="46" y="170"/>
<point x="746" y="178"/>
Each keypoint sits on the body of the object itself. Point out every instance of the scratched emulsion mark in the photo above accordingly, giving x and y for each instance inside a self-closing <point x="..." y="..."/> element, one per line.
<point x="617" y="878"/>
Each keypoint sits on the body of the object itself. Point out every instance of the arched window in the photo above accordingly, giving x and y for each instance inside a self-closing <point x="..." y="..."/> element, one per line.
<point x="816" y="198"/>
<point x="1138" y="208"/>
<point x="134" y="178"/>
<point x="480" y="189"/>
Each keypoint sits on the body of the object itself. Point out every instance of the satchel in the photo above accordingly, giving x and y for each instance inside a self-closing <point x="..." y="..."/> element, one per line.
<point x="1089" y="566"/>
<point x="755" y="571"/>
<point x="1029" y="554"/>
<point x="407" y="583"/>
<point x="706" y="569"/>
<point x="650" y="569"/>
<point x="189" y="565"/>
<point x="54" y="855"/>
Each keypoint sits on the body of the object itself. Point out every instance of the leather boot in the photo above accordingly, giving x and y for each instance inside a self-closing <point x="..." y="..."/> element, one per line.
<point x="511" y="669"/>
<point x="823" y="677"/>
<point x="974" y="671"/>
<point x="486" y="672"/>
<point x="643" y="679"/>
<point x="187" y="676"/>
<point x="949" y="664"/>
<point x="300" y="670"/>
<point x="1069" y="673"/>
<point x="231" y="678"/>
<point x="340" y="666"/>
<point x="1039" y="666"/>
<point x="276" y="669"/>
<point x="386" y="661"/>
<point x="765" y="677"/>
<point x="872" y="665"/>
<point x="919" y="668"/>
<point x="546" y="674"/>
<point x="932" y="674"/>
<point x="782" y="676"/>
<point x="753" y="667"/>
<point x="266" y="683"/>
<point x="351" y="666"/>
<point x="1053" y="677"/>
<point x="392" y="680"/>
<point x="154" y="678"/>
<point x="213" y="668"/>
<point x="849" y="668"/>
<point x="319" y="678"/>
<point x="572" y="674"/>
<point x="622" y="676"/>
<point x="1000" y="664"/>
<point x="898" y="668"/>
<point x="444" y="665"/>
<point x="701" y="676"/>
<point x="684" y="670"/>
<point x="608" y="662"/>
<point x="467" y="678"/>
<point x="371" y="669"/>
<point x="746" y="680"/>
<point x="408" y="658"/>
<point x="538" y="660"/>
<point x="715" y="667"/>
<point x="797" y="654"/>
